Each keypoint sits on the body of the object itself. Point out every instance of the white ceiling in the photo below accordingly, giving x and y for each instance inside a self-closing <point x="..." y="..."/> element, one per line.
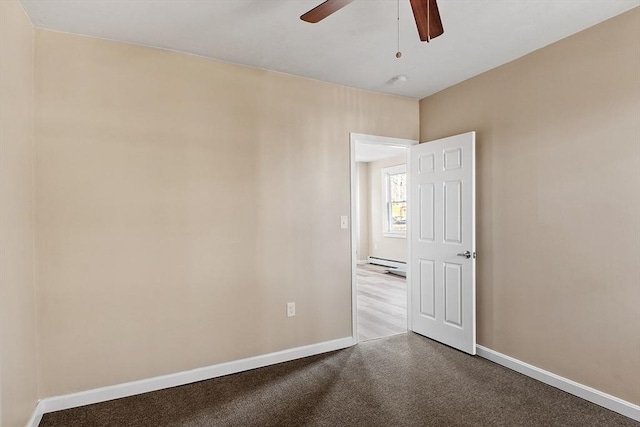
<point x="354" y="47"/>
<point x="366" y="152"/>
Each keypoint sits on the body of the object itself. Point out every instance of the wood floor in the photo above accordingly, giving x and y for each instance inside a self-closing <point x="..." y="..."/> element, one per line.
<point x="382" y="303"/>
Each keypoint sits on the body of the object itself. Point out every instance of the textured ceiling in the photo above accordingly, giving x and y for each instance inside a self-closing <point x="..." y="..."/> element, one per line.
<point x="354" y="47"/>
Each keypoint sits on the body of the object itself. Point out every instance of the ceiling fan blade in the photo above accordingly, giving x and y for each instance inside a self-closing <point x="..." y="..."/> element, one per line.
<point x="427" y="28"/>
<point x="323" y="10"/>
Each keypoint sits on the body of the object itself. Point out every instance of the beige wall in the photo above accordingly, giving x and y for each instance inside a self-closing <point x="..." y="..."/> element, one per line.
<point x="393" y="248"/>
<point x="182" y="202"/>
<point x="362" y="250"/>
<point x="18" y="381"/>
<point x="558" y="203"/>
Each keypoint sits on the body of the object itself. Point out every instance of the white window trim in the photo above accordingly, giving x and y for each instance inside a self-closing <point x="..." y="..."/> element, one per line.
<point x="392" y="170"/>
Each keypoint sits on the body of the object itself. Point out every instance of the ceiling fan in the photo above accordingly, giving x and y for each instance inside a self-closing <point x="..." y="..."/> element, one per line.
<point x="425" y="13"/>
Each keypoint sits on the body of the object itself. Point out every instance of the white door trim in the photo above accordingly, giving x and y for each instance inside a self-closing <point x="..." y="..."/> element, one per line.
<point x="354" y="138"/>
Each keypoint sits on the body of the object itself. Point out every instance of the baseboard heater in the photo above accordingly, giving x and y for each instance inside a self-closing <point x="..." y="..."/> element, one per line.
<point x="396" y="267"/>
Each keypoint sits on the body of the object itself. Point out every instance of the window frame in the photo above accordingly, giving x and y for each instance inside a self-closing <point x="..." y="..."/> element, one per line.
<point x="386" y="200"/>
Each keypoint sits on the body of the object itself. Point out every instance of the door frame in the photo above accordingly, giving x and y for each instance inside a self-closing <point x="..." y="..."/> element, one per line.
<point x="354" y="138"/>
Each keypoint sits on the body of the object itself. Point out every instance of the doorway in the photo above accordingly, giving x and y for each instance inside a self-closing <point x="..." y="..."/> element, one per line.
<point x="378" y="235"/>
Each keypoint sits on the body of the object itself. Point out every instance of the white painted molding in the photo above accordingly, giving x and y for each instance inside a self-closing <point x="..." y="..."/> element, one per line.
<point x="36" y="417"/>
<point x="58" y="403"/>
<point x="582" y="391"/>
<point x="355" y="138"/>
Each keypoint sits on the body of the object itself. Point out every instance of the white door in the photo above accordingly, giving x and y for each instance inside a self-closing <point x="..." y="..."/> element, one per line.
<point x="442" y="240"/>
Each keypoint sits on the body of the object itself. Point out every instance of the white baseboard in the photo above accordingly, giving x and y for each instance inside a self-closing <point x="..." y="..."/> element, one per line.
<point x="587" y="393"/>
<point x="387" y="262"/>
<point x="58" y="403"/>
<point x="36" y="417"/>
<point x="103" y="394"/>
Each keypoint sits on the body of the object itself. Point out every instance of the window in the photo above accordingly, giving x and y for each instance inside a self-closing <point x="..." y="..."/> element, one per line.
<point x="394" y="211"/>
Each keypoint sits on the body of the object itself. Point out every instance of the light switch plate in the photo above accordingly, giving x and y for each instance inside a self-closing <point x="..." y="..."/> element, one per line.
<point x="344" y="222"/>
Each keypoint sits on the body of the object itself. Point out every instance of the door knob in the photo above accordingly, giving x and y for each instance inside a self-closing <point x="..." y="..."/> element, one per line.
<point x="465" y="254"/>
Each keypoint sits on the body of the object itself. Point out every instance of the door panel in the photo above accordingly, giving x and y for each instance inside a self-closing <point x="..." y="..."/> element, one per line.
<point x="428" y="288"/>
<point x="442" y="226"/>
<point x="453" y="212"/>
<point x="428" y="208"/>
<point x="453" y="294"/>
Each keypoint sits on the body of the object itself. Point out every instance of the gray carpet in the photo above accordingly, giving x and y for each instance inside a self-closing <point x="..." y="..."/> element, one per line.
<point x="404" y="380"/>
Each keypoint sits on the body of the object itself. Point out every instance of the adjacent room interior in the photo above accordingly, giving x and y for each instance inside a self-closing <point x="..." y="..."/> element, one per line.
<point x="380" y="225"/>
<point x="176" y="214"/>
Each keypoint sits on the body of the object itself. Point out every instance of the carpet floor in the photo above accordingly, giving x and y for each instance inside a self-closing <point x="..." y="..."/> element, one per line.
<point x="403" y="380"/>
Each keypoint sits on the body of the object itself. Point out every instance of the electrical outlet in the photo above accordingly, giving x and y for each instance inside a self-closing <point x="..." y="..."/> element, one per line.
<point x="291" y="309"/>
